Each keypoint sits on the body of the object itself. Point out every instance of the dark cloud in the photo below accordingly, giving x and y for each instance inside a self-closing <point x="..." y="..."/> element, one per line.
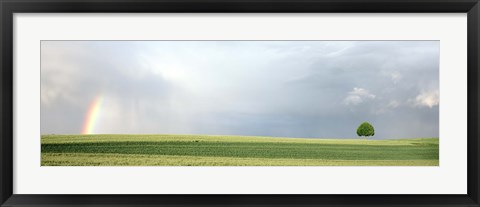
<point x="270" y="88"/>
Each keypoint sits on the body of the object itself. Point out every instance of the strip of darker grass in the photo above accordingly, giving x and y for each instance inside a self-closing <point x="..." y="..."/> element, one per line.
<point x="254" y="150"/>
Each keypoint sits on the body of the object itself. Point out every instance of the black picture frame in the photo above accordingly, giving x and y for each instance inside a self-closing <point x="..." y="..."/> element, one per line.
<point x="9" y="7"/>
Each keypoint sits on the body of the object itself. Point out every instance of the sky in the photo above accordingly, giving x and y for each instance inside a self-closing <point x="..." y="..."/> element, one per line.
<point x="312" y="89"/>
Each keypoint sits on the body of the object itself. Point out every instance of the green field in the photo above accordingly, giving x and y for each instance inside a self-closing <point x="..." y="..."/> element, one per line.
<point x="201" y="150"/>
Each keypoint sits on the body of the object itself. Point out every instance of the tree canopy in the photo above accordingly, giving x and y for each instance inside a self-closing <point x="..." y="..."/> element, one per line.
<point x="365" y="130"/>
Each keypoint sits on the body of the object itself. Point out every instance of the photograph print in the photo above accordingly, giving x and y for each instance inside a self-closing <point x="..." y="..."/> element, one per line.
<point x="240" y="103"/>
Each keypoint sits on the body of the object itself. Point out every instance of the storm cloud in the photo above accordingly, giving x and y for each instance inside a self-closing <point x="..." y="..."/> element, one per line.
<point x="318" y="89"/>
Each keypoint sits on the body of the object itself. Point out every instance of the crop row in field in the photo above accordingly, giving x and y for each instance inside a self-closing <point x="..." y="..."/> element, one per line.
<point x="234" y="150"/>
<point x="88" y="159"/>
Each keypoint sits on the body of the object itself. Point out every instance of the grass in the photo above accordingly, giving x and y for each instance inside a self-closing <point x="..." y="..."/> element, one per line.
<point x="201" y="150"/>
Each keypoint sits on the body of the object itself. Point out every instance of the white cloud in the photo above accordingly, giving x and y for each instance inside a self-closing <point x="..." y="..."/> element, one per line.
<point x="357" y="96"/>
<point x="426" y="99"/>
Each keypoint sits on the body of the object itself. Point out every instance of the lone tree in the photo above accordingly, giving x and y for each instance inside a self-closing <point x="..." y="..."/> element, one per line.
<point x="365" y="130"/>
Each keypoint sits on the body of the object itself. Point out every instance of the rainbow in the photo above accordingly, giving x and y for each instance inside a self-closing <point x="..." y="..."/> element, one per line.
<point x="92" y="115"/>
